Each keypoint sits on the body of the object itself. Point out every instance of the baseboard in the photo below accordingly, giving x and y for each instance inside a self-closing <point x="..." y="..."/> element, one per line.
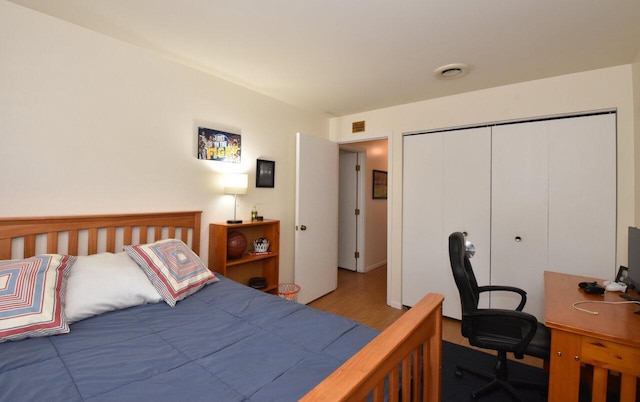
<point x="396" y="305"/>
<point x="374" y="266"/>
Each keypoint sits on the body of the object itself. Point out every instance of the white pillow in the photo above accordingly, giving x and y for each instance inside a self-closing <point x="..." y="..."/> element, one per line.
<point x="105" y="282"/>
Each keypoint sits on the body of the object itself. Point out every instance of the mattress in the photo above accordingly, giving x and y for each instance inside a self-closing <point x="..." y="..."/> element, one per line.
<point x="228" y="342"/>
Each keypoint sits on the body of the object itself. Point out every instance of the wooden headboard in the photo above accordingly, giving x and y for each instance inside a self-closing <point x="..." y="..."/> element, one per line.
<point x="91" y="234"/>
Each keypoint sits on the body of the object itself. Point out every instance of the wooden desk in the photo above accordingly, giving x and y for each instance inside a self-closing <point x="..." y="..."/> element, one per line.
<point x="608" y="341"/>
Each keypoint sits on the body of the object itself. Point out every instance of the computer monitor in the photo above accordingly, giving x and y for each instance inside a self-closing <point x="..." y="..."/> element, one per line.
<point x="633" y="276"/>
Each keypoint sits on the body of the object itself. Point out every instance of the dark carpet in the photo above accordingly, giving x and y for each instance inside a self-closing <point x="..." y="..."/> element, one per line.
<point x="459" y="389"/>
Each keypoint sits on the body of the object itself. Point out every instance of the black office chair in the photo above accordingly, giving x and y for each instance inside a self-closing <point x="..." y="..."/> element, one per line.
<point x="497" y="329"/>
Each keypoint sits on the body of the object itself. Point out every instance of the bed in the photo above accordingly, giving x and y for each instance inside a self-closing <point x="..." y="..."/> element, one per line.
<point x="222" y="341"/>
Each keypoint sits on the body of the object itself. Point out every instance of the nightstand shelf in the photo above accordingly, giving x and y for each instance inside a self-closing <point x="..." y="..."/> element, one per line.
<point x="247" y="266"/>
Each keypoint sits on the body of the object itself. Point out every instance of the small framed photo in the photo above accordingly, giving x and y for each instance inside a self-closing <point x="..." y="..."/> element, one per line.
<point x="379" y="185"/>
<point x="623" y="273"/>
<point x="265" y="173"/>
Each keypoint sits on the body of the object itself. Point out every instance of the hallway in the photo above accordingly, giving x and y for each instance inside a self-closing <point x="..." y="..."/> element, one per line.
<point x="361" y="297"/>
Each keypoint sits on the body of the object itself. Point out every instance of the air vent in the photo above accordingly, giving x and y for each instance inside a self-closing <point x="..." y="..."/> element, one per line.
<point x="451" y="71"/>
<point x="357" y="127"/>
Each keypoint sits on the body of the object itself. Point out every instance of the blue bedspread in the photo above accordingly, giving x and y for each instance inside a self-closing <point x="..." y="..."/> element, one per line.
<point x="227" y="342"/>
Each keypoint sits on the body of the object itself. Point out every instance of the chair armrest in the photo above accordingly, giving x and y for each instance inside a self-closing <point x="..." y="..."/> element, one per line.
<point x="493" y="288"/>
<point x="485" y="320"/>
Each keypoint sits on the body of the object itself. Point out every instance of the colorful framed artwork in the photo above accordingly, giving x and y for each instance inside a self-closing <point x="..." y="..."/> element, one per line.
<point x="216" y="145"/>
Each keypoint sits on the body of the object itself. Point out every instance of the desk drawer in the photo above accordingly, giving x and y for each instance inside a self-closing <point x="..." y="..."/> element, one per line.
<point x="610" y="355"/>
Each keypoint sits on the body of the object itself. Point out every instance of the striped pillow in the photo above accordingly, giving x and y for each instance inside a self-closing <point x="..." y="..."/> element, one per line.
<point x="172" y="267"/>
<point x="32" y="296"/>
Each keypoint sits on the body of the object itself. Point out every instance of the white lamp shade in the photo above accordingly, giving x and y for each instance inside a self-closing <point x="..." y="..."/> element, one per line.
<point x="236" y="184"/>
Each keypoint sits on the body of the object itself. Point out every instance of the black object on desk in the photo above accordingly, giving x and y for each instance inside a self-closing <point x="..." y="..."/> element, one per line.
<point x="592" y="288"/>
<point x="631" y="298"/>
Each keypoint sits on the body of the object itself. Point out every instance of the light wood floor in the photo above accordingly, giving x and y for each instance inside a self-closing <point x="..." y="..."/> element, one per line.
<point x="362" y="297"/>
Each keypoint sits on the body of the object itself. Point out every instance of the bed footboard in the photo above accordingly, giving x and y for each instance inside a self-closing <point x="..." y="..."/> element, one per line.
<point x="412" y="344"/>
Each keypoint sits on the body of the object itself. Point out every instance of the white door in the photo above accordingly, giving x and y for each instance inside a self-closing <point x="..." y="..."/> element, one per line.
<point x="446" y="189"/>
<point x="316" y="240"/>
<point x="347" y="218"/>
<point x="554" y="204"/>
<point x="467" y="206"/>
<point x="582" y="196"/>
<point x="519" y="227"/>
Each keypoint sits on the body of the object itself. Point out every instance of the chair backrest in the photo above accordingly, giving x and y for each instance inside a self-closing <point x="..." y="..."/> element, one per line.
<point x="463" y="274"/>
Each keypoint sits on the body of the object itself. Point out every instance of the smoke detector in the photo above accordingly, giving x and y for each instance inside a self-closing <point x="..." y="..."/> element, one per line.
<point x="451" y="71"/>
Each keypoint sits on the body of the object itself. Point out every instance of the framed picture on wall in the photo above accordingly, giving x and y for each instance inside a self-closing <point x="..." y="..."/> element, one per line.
<point x="216" y="145"/>
<point x="265" y="173"/>
<point x="379" y="185"/>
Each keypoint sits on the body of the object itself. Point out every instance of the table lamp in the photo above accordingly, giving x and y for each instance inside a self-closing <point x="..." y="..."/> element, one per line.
<point x="236" y="184"/>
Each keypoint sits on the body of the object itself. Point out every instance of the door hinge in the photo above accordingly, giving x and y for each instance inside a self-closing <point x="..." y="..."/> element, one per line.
<point x="357" y="254"/>
<point x="357" y="168"/>
<point x="357" y="211"/>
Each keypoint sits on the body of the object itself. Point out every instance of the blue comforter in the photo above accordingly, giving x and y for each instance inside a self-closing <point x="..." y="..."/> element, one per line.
<point x="227" y="342"/>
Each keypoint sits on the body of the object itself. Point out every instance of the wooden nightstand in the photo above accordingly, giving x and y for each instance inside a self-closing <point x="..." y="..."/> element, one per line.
<point x="247" y="266"/>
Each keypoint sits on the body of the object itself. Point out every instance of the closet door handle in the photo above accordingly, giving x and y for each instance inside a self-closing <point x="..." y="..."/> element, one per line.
<point x="518" y="239"/>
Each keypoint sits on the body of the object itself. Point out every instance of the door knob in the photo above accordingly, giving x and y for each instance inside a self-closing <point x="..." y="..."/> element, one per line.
<point x="303" y="227"/>
<point x="518" y="239"/>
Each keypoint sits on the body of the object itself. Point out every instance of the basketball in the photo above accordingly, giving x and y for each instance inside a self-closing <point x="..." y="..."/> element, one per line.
<point x="236" y="245"/>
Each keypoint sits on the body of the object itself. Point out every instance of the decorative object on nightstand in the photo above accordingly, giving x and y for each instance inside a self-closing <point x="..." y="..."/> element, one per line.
<point x="258" y="282"/>
<point x="261" y="245"/>
<point x="236" y="245"/>
<point x="248" y="265"/>
<point x="236" y="184"/>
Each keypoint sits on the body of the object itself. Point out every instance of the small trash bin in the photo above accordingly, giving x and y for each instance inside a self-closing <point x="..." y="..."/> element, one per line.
<point x="288" y="291"/>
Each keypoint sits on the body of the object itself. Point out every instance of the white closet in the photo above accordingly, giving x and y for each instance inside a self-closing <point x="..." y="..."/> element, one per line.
<point x="447" y="187"/>
<point x="532" y="196"/>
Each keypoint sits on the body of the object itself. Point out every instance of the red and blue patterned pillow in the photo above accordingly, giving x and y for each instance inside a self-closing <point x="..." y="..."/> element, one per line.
<point x="172" y="267"/>
<point x="32" y="296"/>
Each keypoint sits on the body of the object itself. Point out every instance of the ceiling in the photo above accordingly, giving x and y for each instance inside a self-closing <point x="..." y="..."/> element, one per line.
<point x="347" y="56"/>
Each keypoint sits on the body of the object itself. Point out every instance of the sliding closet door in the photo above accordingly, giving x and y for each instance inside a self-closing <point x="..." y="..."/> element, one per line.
<point x="519" y="213"/>
<point x="582" y="196"/>
<point x="554" y="203"/>
<point x="532" y="197"/>
<point x="467" y="206"/>
<point x="446" y="188"/>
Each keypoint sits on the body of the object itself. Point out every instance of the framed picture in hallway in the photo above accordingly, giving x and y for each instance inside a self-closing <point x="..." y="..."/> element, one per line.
<point x="379" y="185"/>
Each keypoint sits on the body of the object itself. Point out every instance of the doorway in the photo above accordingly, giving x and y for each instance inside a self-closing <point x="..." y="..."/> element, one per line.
<point x="364" y="218"/>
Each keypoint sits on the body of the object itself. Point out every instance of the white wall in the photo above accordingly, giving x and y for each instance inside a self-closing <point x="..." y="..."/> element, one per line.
<point x="592" y="90"/>
<point x="376" y="210"/>
<point x="89" y="124"/>
<point x="636" y="119"/>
